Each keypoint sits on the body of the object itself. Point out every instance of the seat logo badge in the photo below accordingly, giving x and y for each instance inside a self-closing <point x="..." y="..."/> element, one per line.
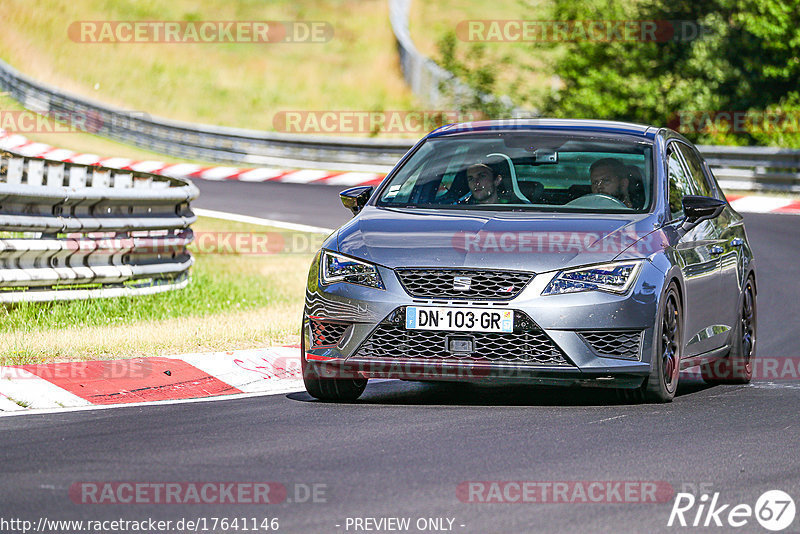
<point x="462" y="283"/>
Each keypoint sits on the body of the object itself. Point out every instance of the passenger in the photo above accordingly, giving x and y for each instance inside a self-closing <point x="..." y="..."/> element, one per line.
<point x="609" y="176"/>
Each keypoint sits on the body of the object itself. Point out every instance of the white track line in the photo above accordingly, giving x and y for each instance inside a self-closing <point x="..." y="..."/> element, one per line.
<point x="259" y="221"/>
<point x="31" y="411"/>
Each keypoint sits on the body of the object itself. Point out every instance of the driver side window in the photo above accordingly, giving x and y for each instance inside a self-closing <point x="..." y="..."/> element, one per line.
<point x="680" y="184"/>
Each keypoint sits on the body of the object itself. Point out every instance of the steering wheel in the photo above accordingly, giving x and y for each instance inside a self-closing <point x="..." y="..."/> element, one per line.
<point x="597" y="200"/>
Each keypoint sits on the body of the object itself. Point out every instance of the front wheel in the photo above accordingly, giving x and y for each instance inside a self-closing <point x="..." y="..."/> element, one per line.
<point x="662" y="383"/>
<point x="737" y="368"/>
<point x="341" y="389"/>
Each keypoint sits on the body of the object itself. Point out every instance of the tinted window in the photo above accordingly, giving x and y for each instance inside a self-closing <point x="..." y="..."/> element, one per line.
<point x="525" y="171"/>
<point x="680" y="182"/>
<point x="696" y="169"/>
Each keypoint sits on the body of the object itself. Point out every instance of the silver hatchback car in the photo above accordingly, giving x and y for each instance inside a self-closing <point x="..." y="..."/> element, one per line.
<point x="553" y="252"/>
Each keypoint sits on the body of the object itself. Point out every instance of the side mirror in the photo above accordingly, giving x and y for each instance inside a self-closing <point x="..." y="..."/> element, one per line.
<point x="697" y="208"/>
<point x="356" y="198"/>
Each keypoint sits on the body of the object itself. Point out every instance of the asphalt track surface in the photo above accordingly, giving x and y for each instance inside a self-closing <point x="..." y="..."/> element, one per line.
<point x="404" y="447"/>
<point x="316" y="205"/>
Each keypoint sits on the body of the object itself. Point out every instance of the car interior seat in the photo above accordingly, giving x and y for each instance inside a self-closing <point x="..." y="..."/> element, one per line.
<point x="635" y="186"/>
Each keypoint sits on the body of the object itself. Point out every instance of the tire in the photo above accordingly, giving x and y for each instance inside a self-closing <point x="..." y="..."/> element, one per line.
<point x="737" y="367"/>
<point x="325" y="388"/>
<point x="662" y="382"/>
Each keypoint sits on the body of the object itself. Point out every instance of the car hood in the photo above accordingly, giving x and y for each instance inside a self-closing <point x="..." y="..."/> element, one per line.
<point x="502" y="240"/>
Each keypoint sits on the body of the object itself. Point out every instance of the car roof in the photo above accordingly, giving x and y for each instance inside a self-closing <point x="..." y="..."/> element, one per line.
<point x="564" y="125"/>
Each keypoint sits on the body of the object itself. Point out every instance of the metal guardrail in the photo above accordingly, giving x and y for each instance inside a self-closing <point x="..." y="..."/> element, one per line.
<point x="204" y="142"/>
<point x="72" y="231"/>
<point x="427" y="79"/>
<point x="751" y="168"/>
<point x="754" y="168"/>
<point x="423" y="75"/>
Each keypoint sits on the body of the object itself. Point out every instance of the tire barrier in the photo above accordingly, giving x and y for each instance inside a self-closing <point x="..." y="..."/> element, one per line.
<point x="77" y="231"/>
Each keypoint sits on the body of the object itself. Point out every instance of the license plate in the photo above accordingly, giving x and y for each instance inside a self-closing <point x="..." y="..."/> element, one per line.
<point x="459" y="319"/>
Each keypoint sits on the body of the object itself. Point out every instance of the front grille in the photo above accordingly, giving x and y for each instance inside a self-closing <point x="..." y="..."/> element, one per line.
<point x="483" y="284"/>
<point x="326" y="333"/>
<point x="615" y="343"/>
<point x="391" y="341"/>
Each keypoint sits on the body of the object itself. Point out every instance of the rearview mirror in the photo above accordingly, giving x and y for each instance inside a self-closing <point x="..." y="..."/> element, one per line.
<point x="698" y="208"/>
<point x="545" y="155"/>
<point x="356" y="198"/>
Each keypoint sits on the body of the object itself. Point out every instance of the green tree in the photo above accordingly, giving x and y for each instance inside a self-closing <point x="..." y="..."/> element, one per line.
<point x="747" y="59"/>
<point x="479" y="74"/>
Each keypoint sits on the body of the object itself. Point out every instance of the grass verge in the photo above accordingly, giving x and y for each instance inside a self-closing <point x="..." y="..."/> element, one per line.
<point x="236" y="84"/>
<point x="235" y="301"/>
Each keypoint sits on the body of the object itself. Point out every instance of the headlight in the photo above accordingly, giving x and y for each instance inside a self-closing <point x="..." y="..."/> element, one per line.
<point x="611" y="277"/>
<point x="338" y="268"/>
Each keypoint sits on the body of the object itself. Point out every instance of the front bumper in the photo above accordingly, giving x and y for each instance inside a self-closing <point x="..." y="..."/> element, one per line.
<point x="574" y="335"/>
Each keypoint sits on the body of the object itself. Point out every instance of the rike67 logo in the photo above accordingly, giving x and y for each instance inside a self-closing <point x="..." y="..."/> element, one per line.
<point x="774" y="510"/>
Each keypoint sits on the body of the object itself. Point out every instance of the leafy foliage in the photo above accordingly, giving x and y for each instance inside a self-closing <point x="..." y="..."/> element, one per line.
<point x="479" y="74"/>
<point x="745" y="59"/>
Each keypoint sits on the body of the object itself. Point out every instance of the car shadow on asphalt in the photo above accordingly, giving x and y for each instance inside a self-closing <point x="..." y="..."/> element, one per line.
<point x="404" y="393"/>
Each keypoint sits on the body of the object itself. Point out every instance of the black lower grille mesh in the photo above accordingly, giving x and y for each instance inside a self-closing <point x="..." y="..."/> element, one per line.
<point x="617" y="344"/>
<point x="391" y="341"/>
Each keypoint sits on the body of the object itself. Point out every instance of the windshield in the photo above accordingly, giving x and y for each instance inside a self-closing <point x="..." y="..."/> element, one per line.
<point x="525" y="171"/>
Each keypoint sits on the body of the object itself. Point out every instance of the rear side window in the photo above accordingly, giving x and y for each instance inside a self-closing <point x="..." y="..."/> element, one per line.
<point x="696" y="169"/>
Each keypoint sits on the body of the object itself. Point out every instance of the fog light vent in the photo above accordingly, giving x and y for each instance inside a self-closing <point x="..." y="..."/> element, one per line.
<point x="615" y="343"/>
<point x="326" y="333"/>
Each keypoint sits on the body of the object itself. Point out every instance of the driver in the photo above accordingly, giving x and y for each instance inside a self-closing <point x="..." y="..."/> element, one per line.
<point x="609" y="176"/>
<point x="484" y="185"/>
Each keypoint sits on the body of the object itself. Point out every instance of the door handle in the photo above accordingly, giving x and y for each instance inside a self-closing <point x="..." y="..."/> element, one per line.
<point x="716" y="250"/>
<point x="737" y="242"/>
